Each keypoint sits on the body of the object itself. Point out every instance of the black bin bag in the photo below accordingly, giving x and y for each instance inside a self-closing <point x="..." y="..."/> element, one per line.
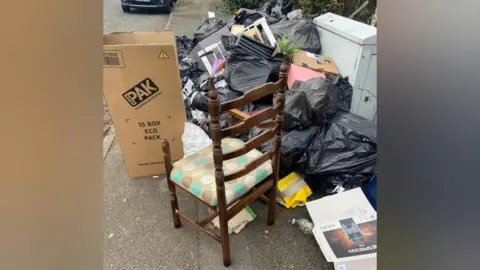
<point x="208" y="27"/>
<point x="345" y="91"/>
<point x="294" y="145"/>
<point x="343" y="154"/>
<point x="302" y="32"/>
<point x="309" y="103"/>
<point x="246" y="17"/>
<point x="199" y="100"/>
<point x="184" y="46"/>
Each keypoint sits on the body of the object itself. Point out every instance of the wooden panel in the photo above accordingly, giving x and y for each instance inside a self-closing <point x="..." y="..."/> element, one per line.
<point x="251" y="144"/>
<point x="250" y="166"/>
<point x="250" y="122"/>
<point x="251" y="95"/>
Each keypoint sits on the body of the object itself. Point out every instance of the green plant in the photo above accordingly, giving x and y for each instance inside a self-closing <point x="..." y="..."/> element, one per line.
<point x="234" y="5"/>
<point x="314" y="8"/>
<point x="287" y="47"/>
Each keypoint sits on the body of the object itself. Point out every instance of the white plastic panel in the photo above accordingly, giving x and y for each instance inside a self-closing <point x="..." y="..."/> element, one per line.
<point x="352" y="30"/>
<point x="367" y="106"/>
<point x="344" y="52"/>
<point x="371" y="78"/>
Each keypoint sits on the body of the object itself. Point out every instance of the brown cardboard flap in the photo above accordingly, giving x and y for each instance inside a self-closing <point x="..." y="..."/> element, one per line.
<point x="315" y="62"/>
<point x="140" y="38"/>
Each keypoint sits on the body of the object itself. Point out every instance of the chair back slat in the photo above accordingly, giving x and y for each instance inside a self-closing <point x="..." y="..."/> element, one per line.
<point x="250" y="122"/>
<point x="251" y="95"/>
<point x="251" y="144"/>
<point x="250" y="166"/>
<point x="259" y="119"/>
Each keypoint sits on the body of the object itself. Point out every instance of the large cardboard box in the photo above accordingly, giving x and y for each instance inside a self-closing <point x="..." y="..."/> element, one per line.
<point x="142" y="89"/>
<point x="316" y="62"/>
<point x="345" y="227"/>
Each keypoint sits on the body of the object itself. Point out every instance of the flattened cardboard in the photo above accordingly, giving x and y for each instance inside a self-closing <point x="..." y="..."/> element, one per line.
<point x="345" y="227"/>
<point x="316" y="62"/>
<point x="142" y="89"/>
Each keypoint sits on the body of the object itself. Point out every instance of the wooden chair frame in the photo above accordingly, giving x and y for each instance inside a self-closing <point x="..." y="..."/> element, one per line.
<point x="223" y="211"/>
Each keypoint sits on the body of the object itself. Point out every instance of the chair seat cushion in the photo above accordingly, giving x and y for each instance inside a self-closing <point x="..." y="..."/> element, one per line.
<point x="196" y="173"/>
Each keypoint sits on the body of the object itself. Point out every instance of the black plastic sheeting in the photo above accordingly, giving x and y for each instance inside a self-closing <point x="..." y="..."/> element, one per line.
<point x="251" y="65"/>
<point x="244" y="72"/>
<point x="247" y="17"/>
<point x="343" y="153"/>
<point x="277" y="8"/>
<point x="208" y="27"/>
<point x="302" y="32"/>
<point x="250" y="46"/>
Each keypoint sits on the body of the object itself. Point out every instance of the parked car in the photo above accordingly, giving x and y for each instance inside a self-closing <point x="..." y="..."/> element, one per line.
<point x="165" y="5"/>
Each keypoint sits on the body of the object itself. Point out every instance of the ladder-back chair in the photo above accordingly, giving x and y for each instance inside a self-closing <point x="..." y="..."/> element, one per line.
<point x="231" y="174"/>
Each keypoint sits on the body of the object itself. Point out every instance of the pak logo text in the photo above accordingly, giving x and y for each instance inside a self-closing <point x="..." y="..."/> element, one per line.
<point x="141" y="92"/>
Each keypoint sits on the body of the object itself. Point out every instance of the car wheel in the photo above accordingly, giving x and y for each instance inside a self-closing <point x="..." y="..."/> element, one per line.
<point x="169" y="7"/>
<point x="126" y="8"/>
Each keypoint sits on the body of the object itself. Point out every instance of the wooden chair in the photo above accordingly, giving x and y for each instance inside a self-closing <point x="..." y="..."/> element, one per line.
<point x="231" y="174"/>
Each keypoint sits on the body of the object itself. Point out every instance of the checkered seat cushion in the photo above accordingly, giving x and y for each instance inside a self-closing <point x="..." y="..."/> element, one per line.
<point x="196" y="173"/>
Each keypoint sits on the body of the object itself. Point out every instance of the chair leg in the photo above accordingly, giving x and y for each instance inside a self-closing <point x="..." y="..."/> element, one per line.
<point x="171" y="186"/>
<point x="272" y="203"/>
<point x="225" y="241"/>
<point x="174" y="204"/>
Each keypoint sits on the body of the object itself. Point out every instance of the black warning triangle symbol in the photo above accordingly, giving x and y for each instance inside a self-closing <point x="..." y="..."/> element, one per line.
<point x="163" y="55"/>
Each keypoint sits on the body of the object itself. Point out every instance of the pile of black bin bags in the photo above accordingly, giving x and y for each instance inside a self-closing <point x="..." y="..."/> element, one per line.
<point x="331" y="147"/>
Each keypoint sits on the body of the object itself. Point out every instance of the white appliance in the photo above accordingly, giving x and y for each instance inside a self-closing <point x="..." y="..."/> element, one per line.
<point x="353" y="47"/>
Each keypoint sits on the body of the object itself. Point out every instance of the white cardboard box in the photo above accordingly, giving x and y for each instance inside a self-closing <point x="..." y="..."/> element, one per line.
<point x="334" y="216"/>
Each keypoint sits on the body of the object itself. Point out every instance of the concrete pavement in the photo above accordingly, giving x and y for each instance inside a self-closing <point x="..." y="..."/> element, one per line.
<point x="188" y="14"/>
<point x="139" y="233"/>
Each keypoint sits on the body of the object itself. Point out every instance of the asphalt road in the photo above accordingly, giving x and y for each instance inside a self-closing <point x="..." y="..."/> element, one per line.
<point x="115" y="20"/>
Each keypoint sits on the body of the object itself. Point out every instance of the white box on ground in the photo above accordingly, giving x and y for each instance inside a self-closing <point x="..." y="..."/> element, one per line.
<point x="345" y="227"/>
<point x="353" y="46"/>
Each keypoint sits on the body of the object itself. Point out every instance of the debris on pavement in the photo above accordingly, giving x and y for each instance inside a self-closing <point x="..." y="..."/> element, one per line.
<point x="238" y="222"/>
<point x="324" y="146"/>
<point x="345" y="228"/>
<point x="194" y="139"/>
<point x="293" y="191"/>
<point x="304" y="225"/>
<point x="241" y="55"/>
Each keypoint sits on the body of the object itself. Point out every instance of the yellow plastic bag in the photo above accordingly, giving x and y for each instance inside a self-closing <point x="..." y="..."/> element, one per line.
<point x="293" y="190"/>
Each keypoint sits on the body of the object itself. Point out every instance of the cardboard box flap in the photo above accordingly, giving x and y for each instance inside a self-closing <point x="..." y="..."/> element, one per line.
<point x="140" y="38"/>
